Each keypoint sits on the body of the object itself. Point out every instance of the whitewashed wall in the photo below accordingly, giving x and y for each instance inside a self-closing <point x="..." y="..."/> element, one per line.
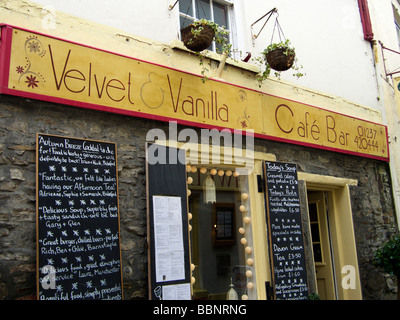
<point x="329" y="42"/>
<point x="150" y="19"/>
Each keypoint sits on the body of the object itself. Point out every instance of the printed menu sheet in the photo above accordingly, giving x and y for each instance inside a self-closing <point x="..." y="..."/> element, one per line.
<point x="168" y="235"/>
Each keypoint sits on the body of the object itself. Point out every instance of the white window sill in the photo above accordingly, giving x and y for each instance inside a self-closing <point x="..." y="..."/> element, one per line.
<point x="178" y="45"/>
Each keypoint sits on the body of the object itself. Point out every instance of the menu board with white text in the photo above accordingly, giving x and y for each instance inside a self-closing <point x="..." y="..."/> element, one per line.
<point x="285" y="231"/>
<point x="78" y="237"/>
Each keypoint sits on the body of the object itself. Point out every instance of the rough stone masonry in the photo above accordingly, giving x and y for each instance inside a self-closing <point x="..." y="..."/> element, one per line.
<point x="21" y="119"/>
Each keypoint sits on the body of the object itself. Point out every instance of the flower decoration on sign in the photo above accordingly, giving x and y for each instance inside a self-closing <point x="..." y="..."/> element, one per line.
<point x="20" y="69"/>
<point x="32" y="82"/>
<point x="33" y="48"/>
<point x="244" y="120"/>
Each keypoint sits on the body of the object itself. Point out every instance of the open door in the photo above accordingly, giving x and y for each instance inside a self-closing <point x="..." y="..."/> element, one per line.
<point x="221" y="238"/>
<point x="321" y="243"/>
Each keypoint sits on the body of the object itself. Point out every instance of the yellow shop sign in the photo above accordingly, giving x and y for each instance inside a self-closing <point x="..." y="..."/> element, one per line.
<point x="45" y="68"/>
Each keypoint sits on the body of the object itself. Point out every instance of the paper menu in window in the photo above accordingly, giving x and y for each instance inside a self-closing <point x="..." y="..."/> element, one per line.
<point x="168" y="231"/>
<point x="176" y="292"/>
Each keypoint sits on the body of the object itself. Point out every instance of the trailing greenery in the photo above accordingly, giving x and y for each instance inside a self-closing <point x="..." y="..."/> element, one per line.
<point x="221" y="39"/>
<point x="288" y="49"/>
<point x="313" y="296"/>
<point x="388" y="256"/>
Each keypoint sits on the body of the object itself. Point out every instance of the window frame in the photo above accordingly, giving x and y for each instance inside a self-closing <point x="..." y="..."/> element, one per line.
<point x="396" y="17"/>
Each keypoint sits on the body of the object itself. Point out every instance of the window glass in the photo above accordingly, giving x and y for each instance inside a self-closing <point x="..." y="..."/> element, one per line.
<point x="398" y="33"/>
<point x="315" y="236"/>
<point x="220" y="15"/>
<point x="185" y="6"/>
<point x="221" y="236"/>
<point x="203" y="10"/>
<point x="396" y="22"/>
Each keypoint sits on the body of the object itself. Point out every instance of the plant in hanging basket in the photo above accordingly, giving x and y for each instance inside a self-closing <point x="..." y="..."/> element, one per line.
<point x="280" y="57"/>
<point x="199" y="35"/>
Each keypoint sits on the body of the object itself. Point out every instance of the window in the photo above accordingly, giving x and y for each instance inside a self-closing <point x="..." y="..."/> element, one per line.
<point x="397" y="23"/>
<point x="223" y="224"/>
<point x="315" y="234"/>
<point x="398" y="32"/>
<point x="217" y="11"/>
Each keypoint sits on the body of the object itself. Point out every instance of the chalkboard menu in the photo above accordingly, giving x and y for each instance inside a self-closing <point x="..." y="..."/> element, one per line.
<point x="78" y="239"/>
<point x="285" y="231"/>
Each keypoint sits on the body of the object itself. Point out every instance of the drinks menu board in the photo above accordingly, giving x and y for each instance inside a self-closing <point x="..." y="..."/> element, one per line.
<point x="285" y="232"/>
<point x="78" y="238"/>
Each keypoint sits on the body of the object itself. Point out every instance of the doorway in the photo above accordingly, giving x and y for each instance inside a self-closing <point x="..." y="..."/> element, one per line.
<point x="322" y="244"/>
<point x="221" y="237"/>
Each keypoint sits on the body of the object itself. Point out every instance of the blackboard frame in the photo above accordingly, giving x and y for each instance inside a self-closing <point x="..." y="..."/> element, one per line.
<point x="169" y="180"/>
<point x="295" y="216"/>
<point x="113" y="163"/>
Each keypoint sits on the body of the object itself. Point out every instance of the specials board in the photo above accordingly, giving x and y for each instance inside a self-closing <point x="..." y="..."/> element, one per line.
<point x="285" y="231"/>
<point x="78" y="238"/>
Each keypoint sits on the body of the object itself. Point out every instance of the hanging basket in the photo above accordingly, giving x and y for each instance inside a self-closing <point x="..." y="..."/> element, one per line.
<point x="280" y="59"/>
<point x="198" y="40"/>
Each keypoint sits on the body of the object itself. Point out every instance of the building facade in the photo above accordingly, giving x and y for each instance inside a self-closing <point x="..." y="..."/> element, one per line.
<point x="120" y="76"/>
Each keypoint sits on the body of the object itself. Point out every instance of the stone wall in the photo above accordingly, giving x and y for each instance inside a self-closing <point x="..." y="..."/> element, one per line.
<point x="20" y="121"/>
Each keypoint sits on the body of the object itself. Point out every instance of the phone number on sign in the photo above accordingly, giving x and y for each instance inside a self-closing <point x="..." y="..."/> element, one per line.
<point x="366" y="139"/>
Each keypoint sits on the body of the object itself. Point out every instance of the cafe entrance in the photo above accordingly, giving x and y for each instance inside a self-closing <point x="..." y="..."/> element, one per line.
<point x="221" y="237"/>
<point x="332" y="236"/>
<point x="321" y="244"/>
<point x="228" y="241"/>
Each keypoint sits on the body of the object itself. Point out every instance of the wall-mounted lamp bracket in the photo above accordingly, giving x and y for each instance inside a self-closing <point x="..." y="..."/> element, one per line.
<point x="383" y="48"/>
<point x="269" y="14"/>
<point x="171" y="7"/>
